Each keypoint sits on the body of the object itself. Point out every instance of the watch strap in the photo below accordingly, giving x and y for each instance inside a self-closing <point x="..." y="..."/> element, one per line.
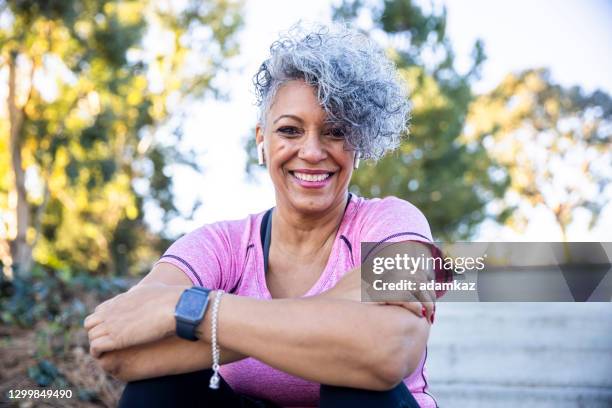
<point x="186" y="330"/>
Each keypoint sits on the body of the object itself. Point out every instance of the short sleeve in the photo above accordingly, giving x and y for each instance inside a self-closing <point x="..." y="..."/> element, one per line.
<point x="205" y="256"/>
<point x="395" y="220"/>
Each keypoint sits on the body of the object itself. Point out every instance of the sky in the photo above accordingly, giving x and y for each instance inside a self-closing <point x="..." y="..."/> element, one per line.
<point x="570" y="37"/>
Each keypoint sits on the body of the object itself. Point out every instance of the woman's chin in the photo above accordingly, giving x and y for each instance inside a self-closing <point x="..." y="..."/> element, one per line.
<point x="311" y="200"/>
<point x="312" y="203"/>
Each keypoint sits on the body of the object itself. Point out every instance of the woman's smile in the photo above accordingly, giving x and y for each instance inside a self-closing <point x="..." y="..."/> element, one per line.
<point x="311" y="178"/>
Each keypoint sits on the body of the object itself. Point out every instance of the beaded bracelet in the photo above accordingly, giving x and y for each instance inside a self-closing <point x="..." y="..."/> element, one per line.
<point x="216" y="353"/>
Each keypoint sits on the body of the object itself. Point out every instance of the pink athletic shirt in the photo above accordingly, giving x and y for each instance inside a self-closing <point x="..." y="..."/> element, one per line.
<point x="228" y="255"/>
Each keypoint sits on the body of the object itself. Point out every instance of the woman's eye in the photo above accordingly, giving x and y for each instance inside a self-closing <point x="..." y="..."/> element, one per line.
<point x="335" y="133"/>
<point x="289" y="130"/>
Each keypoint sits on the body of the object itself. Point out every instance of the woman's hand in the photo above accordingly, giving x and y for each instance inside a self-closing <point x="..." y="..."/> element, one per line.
<point x="141" y="315"/>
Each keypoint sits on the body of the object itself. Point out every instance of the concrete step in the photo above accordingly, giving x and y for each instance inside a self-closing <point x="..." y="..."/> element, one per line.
<point x="468" y="395"/>
<point x="521" y="354"/>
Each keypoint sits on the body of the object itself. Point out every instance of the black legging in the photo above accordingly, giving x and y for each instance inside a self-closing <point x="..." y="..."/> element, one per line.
<point x="191" y="390"/>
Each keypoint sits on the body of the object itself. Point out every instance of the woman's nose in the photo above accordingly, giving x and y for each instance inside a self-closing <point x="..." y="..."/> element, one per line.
<point x="312" y="149"/>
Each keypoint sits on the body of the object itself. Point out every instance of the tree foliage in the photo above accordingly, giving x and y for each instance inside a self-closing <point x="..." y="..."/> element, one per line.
<point x="554" y="143"/>
<point x="434" y="169"/>
<point x="86" y="129"/>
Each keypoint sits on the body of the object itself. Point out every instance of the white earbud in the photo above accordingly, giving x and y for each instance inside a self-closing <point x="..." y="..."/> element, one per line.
<point x="260" y="154"/>
<point x="356" y="163"/>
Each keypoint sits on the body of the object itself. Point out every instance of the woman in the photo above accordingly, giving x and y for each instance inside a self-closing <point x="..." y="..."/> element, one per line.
<point x="291" y="328"/>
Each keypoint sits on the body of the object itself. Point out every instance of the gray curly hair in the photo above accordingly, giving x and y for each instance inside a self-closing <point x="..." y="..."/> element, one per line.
<point x="356" y="84"/>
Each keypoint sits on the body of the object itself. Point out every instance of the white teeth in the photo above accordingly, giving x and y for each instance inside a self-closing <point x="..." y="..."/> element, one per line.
<point x="311" y="177"/>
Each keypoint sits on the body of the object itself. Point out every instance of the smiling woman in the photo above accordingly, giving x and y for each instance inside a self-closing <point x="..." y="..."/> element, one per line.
<point x="271" y="303"/>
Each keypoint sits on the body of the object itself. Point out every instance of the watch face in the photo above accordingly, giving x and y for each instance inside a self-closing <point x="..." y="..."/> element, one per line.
<point x="191" y="305"/>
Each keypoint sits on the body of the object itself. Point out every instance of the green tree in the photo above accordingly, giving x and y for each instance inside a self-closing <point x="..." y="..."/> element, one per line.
<point x="553" y="141"/>
<point x="449" y="180"/>
<point x="91" y="86"/>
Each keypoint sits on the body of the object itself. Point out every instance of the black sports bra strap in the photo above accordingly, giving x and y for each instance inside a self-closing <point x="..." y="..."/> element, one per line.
<point x="266" y="235"/>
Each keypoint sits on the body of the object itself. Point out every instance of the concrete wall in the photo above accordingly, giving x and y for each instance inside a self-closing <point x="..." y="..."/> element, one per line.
<point x="521" y="355"/>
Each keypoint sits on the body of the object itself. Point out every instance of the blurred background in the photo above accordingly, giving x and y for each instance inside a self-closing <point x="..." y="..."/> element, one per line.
<point x="124" y="124"/>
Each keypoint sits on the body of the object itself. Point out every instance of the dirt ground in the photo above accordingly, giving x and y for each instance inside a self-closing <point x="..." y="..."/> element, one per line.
<point x="68" y="352"/>
<point x="90" y="386"/>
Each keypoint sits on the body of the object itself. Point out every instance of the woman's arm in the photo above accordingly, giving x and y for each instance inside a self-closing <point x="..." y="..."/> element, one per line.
<point x="168" y="356"/>
<point x="324" y="338"/>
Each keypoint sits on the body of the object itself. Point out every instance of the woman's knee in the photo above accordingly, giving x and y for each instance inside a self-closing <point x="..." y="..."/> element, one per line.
<point x="184" y="390"/>
<point x="397" y="397"/>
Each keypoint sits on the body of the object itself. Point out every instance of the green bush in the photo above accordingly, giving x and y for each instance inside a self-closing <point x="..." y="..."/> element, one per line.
<point x="53" y="296"/>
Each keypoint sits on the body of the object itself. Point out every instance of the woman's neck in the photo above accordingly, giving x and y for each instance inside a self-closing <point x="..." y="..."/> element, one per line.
<point x="306" y="233"/>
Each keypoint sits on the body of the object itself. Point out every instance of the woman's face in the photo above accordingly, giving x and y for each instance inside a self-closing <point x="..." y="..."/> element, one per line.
<point x="306" y="157"/>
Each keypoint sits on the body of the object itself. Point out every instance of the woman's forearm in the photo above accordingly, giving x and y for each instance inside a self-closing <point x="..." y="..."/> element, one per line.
<point x="168" y="356"/>
<point x="330" y="341"/>
<point x="330" y="338"/>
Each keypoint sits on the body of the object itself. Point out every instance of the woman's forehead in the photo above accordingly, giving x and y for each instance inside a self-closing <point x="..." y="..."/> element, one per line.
<point x="298" y="101"/>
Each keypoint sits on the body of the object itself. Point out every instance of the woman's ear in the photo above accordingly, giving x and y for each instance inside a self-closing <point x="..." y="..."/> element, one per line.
<point x="259" y="133"/>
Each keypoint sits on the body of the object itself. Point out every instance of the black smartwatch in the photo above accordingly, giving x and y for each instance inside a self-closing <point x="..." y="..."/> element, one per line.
<point x="190" y="311"/>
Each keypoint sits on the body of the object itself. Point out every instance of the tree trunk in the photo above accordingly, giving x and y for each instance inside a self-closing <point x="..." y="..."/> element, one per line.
<point x="566" y="250"/>
<point x="21" y="250"/>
